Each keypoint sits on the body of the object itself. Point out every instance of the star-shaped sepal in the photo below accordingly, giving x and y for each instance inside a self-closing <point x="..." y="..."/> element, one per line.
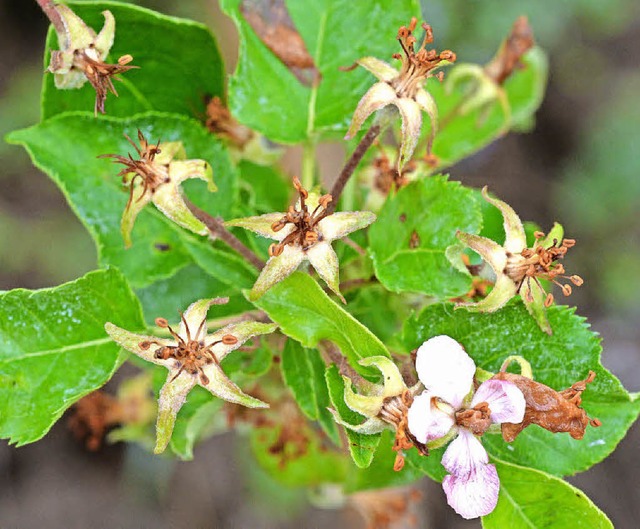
<point x="156" y="177"/>
<point x="304" y="233"/>
<point x="519" y="269"/>
<point x="192" y="357"/>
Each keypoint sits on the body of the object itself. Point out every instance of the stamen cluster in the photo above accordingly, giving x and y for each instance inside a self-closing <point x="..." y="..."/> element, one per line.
<point x="305" y="233"/>
<point x="191" y="354"/>
<point x="417" y="65"/>
<point x="533" y="264"/>
<point x="151" y="173"/>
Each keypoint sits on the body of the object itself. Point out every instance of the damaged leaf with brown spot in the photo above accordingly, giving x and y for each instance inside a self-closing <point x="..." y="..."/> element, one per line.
<point x="272" y="23"/>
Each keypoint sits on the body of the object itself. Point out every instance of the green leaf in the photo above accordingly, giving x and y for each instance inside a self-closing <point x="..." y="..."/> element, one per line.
<point x="380" y="474"/>
<point x="361" y="447"/>
<point x="414" y="229"/>
<point x="53" y="348"/>
<point x="266" y="187"/>
<point x="558" y="361"/>
<point x="460" y="136"/>
<point x="66" y="148"/>
<point x="303" y="372"/>
<point x="532" y="499"/>
<point x="179" y="64"/>
<point x="306" y="313"/>
<point x="266" y="96"/>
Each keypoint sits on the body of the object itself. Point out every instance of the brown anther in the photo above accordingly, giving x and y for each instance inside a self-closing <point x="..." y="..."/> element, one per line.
<point x="277" y="226"/>
<point x="162" y="323"/>
<point x="325" y="200"/>
<point x="144" y="345"/>
<point x="125" y="59"/>
<point x="204" y="379"/>
<point x="538" y="235"/>
<point x="568" y="243"/>
<point x="548" y="300"/>
<point x="275" y="250"/>
<point x="229" y="339"/>
<point x="310" y="237"/>
<point x="566" y="290"/>
<point x="413" y="24"/>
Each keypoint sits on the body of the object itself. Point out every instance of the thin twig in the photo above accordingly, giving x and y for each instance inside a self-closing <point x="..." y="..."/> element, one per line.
<point x="351" y="165"/>
<point x="354" y="283"/>
<point x="335" y="357"/>
<point x="53" y="15"/>
<point x="218" y="230"/>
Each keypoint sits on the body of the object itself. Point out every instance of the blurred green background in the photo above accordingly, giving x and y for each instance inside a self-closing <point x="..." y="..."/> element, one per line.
<point x="579" y="166"/>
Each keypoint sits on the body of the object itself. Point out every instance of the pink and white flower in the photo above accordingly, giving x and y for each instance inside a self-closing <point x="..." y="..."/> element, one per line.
<point x="448" y="408"/>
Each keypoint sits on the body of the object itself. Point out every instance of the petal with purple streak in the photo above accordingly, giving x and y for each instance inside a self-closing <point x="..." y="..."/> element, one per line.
<point x="473" y="495"/>
<point x="505" y="401"/>
<point x="465" y="455"/>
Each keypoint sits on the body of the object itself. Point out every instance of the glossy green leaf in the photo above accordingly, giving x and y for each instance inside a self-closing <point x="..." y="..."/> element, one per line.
<point x="306" y="313"/>
<point x="557" y="361"/>
<point x="303" y="372"/>
<point x="165" y="297"/>
<point x="60" y="148"/>
<point x="179" y="64"/>
<point x="267" y="189"/>
<point x="414" y="229"/>
<point x="460" y="136"/>
<point x="361" y="447"/>
<point x="535" y="500"/>
<point x="266" y="96"/>
<point x="54" y="350"/>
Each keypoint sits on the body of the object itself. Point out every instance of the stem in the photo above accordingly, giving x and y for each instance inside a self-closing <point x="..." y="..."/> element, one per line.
<point x="218" y="230"/>
<point x="308" y="164"/>
<point x="351" y="165"/>
<point x="49" y="9"/>
<point x="335" y="357"/>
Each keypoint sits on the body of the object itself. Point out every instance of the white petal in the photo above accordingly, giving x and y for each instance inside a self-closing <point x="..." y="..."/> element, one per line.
<point x="276" y="269"/>
<point x="426" y="421"/>
<point x="131" y="342"/>
<point x="411" y="122"/>
<point x="341" y="224"/>
<point x="382" y="70"/>
<point x="505" y="401"/>
<point x="516" y="240"/>
<point x="195" y="315"/>
<point x="475" y="495"/>
<point x="172" y="396"/>
<point x="445" y="369"/>
<point x="240" y="331"/>
<point x="465" y="455"/>
<point x="428" y="104"/>
<point x="378" y="96"/>
<point x="325" y="261"/>
<point x="262" y="225"/>
<point x="222" y="387"/>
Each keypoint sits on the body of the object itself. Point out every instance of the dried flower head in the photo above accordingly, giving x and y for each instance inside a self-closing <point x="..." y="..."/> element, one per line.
<point x="520" y="269"/>
<point x="155" y="176"/>
<point x="556" y="411"/>
<point x="83" y="54"/>
<point x="486" y="83"/>
<point x="404" y="89"/>
<point x="303" y="233"/>
<point x="192" y="357"/>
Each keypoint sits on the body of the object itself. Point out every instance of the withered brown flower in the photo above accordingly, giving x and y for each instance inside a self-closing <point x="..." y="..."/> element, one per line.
<point x="556" y="411"/>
